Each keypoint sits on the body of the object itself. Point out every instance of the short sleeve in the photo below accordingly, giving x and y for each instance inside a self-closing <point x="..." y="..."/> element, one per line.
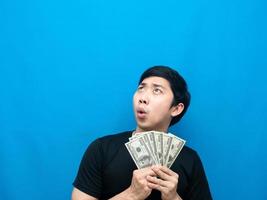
<point x="89" y="178"/>
<point x="199" y="187"/>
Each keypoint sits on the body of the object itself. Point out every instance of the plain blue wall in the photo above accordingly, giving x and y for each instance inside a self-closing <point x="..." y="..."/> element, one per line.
<point x="68" y="70"/>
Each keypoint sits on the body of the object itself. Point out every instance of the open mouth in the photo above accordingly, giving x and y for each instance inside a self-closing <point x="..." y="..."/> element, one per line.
<point x="141" y="113"/>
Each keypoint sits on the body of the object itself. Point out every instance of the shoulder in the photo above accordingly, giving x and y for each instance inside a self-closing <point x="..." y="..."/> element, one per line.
<point x="121" y="137"/>
<point x="189" y="152"/>
<point x="189" y="157"/>
<point x="194" y="171"/>
<point x="106" y="145"/>
<point x="111" y="141"/>
<point x="116" y="137"/>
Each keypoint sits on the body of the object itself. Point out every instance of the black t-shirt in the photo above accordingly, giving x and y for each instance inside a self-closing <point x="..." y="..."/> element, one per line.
<point x="106" y="170"/>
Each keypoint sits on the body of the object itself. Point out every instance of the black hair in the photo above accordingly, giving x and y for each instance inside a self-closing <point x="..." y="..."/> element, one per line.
<point x="177" y="84"/>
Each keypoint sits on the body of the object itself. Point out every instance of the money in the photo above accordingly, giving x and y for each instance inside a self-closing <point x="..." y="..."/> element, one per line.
<point x="167" y="143"/>
<point x="159" y="145"/>
<point x="175" y="148"/>
<point x="153" y="147"/>
<point x="140" y="153"/>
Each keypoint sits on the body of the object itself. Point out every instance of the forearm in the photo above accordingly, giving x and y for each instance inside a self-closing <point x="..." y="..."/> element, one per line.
<point x="175" y="197"/>
<point x="126" y="195"/>
<point x="178" y="197"/>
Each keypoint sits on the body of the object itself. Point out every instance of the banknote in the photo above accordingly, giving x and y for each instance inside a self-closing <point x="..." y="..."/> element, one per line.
<point x="149" y="140"/>
<point x="152" y="140"/>
<point x="159" y="145"/>
<point x="175" y="148"/>
<point x="154" y="147"/>
<point x="167" y="141"/>
<point x="140" y="153"/>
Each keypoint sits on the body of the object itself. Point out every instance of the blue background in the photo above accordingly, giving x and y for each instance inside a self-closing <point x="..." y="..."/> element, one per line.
<point x="68" y="70"/>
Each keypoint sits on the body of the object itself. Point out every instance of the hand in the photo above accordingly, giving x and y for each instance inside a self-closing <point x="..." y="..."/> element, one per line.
<point x="166" y="182"/>
<point x="139" y="187"/>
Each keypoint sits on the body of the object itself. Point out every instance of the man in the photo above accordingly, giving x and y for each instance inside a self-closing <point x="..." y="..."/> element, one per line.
<point x="107" y="170"/>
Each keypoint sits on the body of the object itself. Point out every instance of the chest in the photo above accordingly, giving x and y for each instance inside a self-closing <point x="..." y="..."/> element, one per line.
<point x="118" y="170"/>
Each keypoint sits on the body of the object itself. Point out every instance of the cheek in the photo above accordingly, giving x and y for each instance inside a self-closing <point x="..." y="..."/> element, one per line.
<point x="162" y="105"/>
<point x="135" y="99"/>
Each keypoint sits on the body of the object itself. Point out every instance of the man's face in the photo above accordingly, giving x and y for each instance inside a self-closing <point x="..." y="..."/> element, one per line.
<point x="152" y="104"/>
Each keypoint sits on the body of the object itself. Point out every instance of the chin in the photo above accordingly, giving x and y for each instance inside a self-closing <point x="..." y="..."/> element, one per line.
<point x="147" y="127"/>
<point x="144" y="127"/>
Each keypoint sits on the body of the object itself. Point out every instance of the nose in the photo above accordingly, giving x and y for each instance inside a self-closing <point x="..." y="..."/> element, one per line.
<point x="143" y="99"/>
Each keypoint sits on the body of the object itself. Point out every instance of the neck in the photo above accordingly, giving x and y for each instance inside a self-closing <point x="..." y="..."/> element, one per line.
<point x="139" y="130"/>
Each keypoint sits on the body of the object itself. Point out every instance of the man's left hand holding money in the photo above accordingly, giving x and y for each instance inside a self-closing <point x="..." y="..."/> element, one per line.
<point x="166" y="182"/>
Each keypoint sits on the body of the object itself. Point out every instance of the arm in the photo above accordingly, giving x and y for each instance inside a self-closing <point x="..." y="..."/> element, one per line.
<point x="199" y="187"/>
<point x="138" y="190"/>
<point x="87" y="184"/>
<point x="79" y="195"/>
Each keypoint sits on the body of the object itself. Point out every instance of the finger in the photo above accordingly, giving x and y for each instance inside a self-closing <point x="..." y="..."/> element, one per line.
<point x="167" y="170"/>
<point x="158" y="187"/>
<point x="142" y="173"/>
<point x="154" y="186"/>
<point x="148" y="171"/>
<point x="162" y="174"/>
<point x="165" y="187"/>
<point x="157" y="181"/>
<point x="165" y="173"/>
<point x="163" y="190"/>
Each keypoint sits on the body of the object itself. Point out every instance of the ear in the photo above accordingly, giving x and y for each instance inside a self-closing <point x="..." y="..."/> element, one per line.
<point x="177" y="110"/>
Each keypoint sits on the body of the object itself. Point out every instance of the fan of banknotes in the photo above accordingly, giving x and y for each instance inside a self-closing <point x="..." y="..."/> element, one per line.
<point x="154" y="148"/>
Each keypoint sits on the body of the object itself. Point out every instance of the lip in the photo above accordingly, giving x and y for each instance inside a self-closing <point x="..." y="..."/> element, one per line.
<point x="141" y="113"/>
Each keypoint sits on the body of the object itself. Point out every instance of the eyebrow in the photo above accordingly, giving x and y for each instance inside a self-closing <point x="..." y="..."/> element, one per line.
<point x="154" y="85"/>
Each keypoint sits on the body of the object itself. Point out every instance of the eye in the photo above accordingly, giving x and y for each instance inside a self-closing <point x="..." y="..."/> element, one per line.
<point x="140" y="88"/>
<point x="157" y="91"/>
